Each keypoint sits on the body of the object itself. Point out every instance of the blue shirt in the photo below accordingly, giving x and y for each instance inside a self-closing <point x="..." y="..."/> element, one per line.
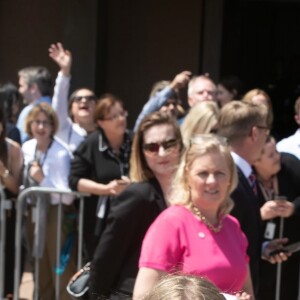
<point x="154" y="104"/>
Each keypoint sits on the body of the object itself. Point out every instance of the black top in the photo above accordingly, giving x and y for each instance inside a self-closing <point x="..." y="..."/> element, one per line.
<point x="95" y="160"/>
<point x="13" y="132"/>
<point x="115" y="264"/>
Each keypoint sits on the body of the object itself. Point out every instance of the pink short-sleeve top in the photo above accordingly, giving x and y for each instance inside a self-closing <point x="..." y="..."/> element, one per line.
<point x="179" y="242"/>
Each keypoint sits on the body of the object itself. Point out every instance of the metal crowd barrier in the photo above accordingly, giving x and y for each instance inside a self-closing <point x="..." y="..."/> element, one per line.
<point x="5" y="205"/>
<point x="18" y="238"/>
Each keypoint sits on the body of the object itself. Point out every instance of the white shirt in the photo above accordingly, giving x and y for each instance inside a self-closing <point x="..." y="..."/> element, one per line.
<point x="244" y="166"/>
<point x="290" y="144"/>
<point x="68" y="132"/>
<point x="55" y="165"/>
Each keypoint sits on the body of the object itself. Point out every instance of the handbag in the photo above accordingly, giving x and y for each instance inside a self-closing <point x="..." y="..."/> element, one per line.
<point x="78" y="286"/>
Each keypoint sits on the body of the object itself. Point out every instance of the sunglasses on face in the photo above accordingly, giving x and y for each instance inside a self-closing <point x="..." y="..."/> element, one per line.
<point x="166" y="145"/>
<point x="87" y="98"/>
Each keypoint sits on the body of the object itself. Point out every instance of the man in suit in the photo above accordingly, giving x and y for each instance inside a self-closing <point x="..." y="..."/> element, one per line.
<point x="245" y="127"/>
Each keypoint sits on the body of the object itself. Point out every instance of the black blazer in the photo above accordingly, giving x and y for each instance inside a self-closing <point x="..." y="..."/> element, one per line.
<point x="93" y="160"/>
<point x="247" y="211"/>
<point x="115" y="263"/>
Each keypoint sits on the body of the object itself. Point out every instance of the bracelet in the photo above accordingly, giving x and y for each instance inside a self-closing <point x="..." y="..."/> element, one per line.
<point x="5" y="174"/>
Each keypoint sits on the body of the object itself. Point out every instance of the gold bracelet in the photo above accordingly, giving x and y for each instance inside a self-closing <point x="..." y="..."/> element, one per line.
<point x="5" y="174"/>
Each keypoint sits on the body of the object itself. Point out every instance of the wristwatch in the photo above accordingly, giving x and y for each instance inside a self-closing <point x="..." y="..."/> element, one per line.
<point x="5" y="174"/>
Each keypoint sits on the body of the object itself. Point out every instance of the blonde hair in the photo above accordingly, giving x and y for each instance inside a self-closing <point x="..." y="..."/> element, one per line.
<point x="248" y="98"/>
<point x="202" y="145"/>
<point x="139" y="169"/>
<point x="237" y="119"/>
<point x="201" y="119"/>
<point x="184" y="287"/>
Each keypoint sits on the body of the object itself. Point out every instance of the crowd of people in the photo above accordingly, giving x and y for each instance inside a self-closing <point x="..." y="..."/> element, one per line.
<point x="187" y="198"/>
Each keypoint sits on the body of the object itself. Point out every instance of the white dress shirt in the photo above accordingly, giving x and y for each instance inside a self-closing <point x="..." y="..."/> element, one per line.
<point x="290" y="144"/>
<point x="244" y="166"/>
<point x="68" y="132"/>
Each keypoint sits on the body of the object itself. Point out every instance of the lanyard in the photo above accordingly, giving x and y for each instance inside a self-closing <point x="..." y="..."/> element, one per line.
<point x="38" y="154"/>
<point x="270" y="194"/>
<point x="70" y="135"/>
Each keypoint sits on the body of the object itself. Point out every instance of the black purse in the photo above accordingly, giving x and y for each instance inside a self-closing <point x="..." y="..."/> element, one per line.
<point x="78" y="286"/>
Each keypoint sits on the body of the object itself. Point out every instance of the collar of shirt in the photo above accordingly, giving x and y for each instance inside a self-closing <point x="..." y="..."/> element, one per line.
<point x="242" y="164"/>
<point x="125" y="150"/>
<point x="103" y="142"/>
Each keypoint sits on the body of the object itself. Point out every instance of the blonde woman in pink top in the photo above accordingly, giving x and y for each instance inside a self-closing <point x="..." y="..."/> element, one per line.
<point x="196" y="235"/>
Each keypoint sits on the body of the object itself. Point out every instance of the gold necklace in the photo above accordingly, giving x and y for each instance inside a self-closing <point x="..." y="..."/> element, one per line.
<point x="198" y="213"/>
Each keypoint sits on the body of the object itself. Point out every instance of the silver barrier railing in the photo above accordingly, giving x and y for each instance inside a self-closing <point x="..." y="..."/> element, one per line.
<point x="18" y="238"/>
<point x="5" y="205"/>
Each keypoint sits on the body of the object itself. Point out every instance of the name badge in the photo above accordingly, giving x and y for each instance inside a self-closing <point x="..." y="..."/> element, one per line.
<point x="270" y="230"/>
<point x="102" y="208"/>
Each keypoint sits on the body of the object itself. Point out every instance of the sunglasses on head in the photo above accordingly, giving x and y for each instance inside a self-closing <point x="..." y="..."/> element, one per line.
<point x="154" y="147"/>
<point x="88" y="98"/>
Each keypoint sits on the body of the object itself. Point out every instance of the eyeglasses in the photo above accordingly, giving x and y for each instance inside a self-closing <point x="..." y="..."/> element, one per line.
<point x="123" y="114"/>
<point x="44" y="123"/>
<point x="153" y="148"/>
<point x="87" y="98"/>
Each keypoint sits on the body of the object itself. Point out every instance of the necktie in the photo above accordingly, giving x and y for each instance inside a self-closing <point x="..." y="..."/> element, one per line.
<point x="252" y="180"/>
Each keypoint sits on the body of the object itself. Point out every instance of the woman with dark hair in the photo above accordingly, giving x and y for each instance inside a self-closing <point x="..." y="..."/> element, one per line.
<point x="278" y="174"/>
<point x="47" y="164"/>
<point x="101" y="166"/>
<point x="11" y="104"/>
<point x="11" y="162"/>
<point x="76" y="117"/>
<point x="155" y="155"/>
